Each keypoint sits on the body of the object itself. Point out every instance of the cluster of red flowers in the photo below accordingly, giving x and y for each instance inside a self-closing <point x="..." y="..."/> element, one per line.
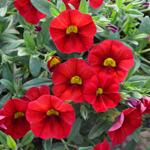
<point x="96" y="81"/>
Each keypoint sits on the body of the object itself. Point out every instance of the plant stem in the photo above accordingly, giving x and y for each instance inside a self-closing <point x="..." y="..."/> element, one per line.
<point x="144" y="51"/>
<point x="143" y="142"/>
<point x="88" y="140"/>
<point x="65" y="144"/>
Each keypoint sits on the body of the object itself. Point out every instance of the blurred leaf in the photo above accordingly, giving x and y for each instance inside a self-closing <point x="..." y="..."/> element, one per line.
<point x="97" y="130"/>
<point x="4" y="24"/>
<point x="86" y="148"/>
<point x="27" y="138"/>
<point x="119" y="3"/>
<point x="62" y="7"/>
<point x="47" y="144"/>
<point x="135" y="137"/>
<point x="78" y="139"/>
<point x="39" y="38"/>
<point x="23" y="51"/>
<point x="36" y="82"/>
<point x="130" y="145"/>
<point x="130" y="73"/>
<point x="4" y="99"/>
<point x="114" y="36"/>
<point x="83" y="7"/>
<point x="29" y="41"/>
<point x="147" y="84"/>
<point x="54" y="12"/>
<point x="134" y="13"/>
<point x="8" y="85"/>
<point x="75" y="130"/>
<point x="3" y="138"/>
<point x="11" y="143"/>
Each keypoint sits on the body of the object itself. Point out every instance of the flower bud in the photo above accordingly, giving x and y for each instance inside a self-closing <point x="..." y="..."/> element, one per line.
<point x="38" y="28"/>
<point x="18" y="84"/>
<point x="113" y="28"/>
<point x="146" y="5"/>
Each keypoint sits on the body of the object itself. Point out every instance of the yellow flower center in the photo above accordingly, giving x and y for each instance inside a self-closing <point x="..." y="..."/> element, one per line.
<point x="18" y="115"/>
<point x="52" y="112"/>
<point x="71" y="28"/>
<point x="54" y="61"/>
<point x="99" y="91"/>
<point x="109" y="61"/>
<point x="76" y="79"/>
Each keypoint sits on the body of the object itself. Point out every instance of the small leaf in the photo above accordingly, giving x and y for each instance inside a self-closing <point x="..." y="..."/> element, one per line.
<point x="3" y="138"/>
<point x="86" y="148"/>
<point x="27" y="138"/>
<point x="119" y="3"/>
<point x="47" y="144"/>
<point x="135" y="137"/>
<point x="130" y="145"/>
<point x="75" y="129"/>
<point x="83" y="7"/>
<point x="62" y="7"/>
<point x="29" y="41"/>
<point x="39" y="38"/>
<point x="54" y="12"/>
<point x="11" y="143"/>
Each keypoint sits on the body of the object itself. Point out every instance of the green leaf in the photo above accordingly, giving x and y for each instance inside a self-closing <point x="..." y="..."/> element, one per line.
<point x="47" y="144"/>
<point x="130" y="145"/>
<point x="3" y="138"/>
<point x="11" y="143"/>
<point x="75" y="129"/>
<point x="39" y="38"/>
<point x="36" y="82"/>
<point x="147" y="84"/>
<point x="119" y="3"/>
<point x="23" y="51"/>
<point x="114" y="36"/>
<point x="43" y="6"/>
<point x="83" y="7"/>
<point x="4" y="24"/>
<point x="8" y="85"/>
<point x="59" y="148"/>
<point x="134" y="13"/>
<point x="3" y="11"/>
<point x="86" y="148"/>
<point x="54" y="12"/>
<point x="97" y="130"/>
<point x="35" y="66"/>
<point x="4" y="99"/>
<point x="78" y="139"/>
<point x="45" y="30"/>
<point x="27" y="138"/>
<point x="135" y="137"/>
<point x="29" y="40"/>
<point x="62" y="7"/>
<point x="130" y="73"/>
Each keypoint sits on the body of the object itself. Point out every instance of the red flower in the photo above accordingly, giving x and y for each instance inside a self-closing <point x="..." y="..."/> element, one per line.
<point x="124" y="125"/>
<point x="14" y="111"/>
<point x="94" y="3"/>
<point x="111" y="57"/>
<point x="28" y="11"/>
<point x="102" y="146"/>
<point x="72" y="31"/>
<point x="102" y="92"/>
<point x="53" y="63"/>
<point x="35" y="92"/>
<point x="70" y="79"/>
<point x="50" y="117"/>
<point x="146" y="105"/>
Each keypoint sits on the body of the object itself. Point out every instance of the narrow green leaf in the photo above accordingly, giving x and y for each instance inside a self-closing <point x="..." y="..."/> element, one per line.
<point x="8" y="85"/>
<point x="130" y="73"/>
<point x="135" y="137"/>
<point x="47" y="144"/>
<point x="62" y="7"/>
<point x="11" y="143"/>
<point x="4" y="99"/>
<point x="36" y="82"/>
<point x="54" y="12"/>
<point x="4" y="24"/>
<point x="147" y="84"/>
<point x="23" y="51"/>
<point x="86" y="148"/>
<point x="83" y="7"/>
<point x="35" y="66"/>
<point x="119" y="3"/>
<point x="29" y="41"/>
<point x="75" y="129"/>
<point x="27" y="138"/>
<point x="39" y="38"/>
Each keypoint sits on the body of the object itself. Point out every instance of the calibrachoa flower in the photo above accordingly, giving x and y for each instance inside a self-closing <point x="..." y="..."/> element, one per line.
<point x="111" y="57"/>
<point x="94" y="3"/>
<point x="28" y="11"/>
<point x="35" y="92"/>
<point x="72" y="31"/>
<point x="14" y="111"/>
<point x="50" y="117"/>
<point x="53" y="63"/>
<point x="124" y="125"/>
<point x="102" y="92"/>
<point x="102" y="146"/>
<point x="70" y="79"/>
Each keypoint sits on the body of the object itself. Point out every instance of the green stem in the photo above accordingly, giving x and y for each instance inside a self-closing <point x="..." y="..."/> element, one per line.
<point x="144" y="51"/>
<point x="88" y="140"/>
<point x="145" y="10"/>
<point x="65" y="144"/>
<point x="143" y="143"/>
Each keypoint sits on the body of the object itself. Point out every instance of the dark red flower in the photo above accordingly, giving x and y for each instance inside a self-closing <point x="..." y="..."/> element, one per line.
<point x="14" y="111"/>
<point x="70" y="79"/>
<point x="72" y="31"/>
<point x="111" y="57"/>
<point x="94" y="3"/>
<point x="35" y="92"/>
<point x="50" y="117"/>
<point x="28" y="11"/>
<point x="124" y="125"/>
<point x="102" y="146"/>
<point x="102" y="92"/>
<point x="53" y="63"/>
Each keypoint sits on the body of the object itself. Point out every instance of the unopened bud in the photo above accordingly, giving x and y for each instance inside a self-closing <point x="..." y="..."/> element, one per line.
<point x="146" y="5"/>
<point x="113" y="28"/>
<point x="38" y="28"/>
